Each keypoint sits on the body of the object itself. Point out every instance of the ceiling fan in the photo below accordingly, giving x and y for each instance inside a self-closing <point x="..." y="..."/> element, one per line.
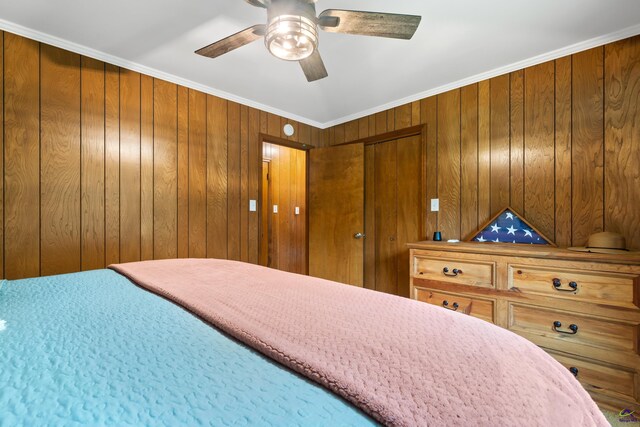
<point x="291" y="32"/>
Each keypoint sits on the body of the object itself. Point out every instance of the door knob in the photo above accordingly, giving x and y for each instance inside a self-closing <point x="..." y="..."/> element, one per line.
<point x="358" y="236"/>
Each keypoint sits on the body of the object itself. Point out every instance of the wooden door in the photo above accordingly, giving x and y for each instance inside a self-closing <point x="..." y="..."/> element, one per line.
<point x="336" y="213"/>
<point x="393" y="201"/>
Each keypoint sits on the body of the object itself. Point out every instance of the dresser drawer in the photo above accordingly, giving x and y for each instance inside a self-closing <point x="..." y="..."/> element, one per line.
<point x="563" y="330"/>
<point x="477" y="307"/>
<point x="597" y="377"/>
<point x="580" y="285"/>
<point x="474" y="273"/>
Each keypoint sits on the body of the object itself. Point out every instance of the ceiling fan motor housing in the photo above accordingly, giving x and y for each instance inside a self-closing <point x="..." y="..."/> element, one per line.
<point x="292" y="32"/>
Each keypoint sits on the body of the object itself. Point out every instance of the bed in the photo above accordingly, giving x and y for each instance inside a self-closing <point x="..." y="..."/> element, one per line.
<point x="136" y="346"/>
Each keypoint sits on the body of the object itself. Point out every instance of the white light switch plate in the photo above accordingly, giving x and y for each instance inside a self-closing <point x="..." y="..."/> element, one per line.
<point x="252" y="206"/>
<point x="297" y="210"/>
<point x="435" y="205"/>
<point x="275" y="208"/>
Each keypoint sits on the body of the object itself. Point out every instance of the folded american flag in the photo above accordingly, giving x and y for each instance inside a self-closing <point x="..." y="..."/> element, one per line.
<point x="509" y="228"/>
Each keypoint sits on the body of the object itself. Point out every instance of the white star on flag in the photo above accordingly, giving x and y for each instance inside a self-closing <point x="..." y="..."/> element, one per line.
<point x="512" y="230"/>
<point x="495" y="228"/>
<point x="509" y="215"/>
<point x="481" y="239"/>
<point x="527" y="233"/>
<point x="497" y="241"/>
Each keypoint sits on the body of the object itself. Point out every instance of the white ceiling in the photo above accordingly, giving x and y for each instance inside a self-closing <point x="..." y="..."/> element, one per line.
<point x="458" y="41"/>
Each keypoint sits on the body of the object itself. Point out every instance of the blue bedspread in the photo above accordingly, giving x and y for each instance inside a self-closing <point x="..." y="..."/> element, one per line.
<point x="93" y="349"/>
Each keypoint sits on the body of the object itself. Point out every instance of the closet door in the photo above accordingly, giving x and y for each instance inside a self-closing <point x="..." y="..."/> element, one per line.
<point x="393" y="203"/>
<point x="336" y="213"/>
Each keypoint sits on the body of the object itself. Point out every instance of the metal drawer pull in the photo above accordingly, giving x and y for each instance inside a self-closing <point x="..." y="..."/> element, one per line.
<point x="454" y="273"/>
<point x="573" y="328"/>
<point x="557" y="286"/>
<point x="454" y="307"/>
<point x="574" y="371"/>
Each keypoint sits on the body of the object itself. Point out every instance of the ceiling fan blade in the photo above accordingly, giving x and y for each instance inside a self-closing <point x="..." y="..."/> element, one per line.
<point x="369" y="23"/>
<point x="313" y="67"/>
<point x="259" y="3"/>
<point x="234" y="41"/>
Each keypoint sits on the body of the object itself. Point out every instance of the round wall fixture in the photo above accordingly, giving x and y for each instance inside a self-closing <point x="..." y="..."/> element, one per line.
<point x="288" y="129"/>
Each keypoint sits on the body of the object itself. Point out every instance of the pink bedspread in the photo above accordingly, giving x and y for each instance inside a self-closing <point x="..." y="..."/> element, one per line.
<point x="406" y="363"/>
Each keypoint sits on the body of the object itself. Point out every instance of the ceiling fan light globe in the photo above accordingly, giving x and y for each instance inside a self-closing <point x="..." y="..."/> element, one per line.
<point x="291" y="37"/>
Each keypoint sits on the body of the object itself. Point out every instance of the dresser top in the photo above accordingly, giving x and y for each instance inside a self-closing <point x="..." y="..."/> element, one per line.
<point x="531" y="251"/>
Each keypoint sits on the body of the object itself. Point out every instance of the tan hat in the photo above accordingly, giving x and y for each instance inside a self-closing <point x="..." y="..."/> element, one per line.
<point x="604" y="242"/>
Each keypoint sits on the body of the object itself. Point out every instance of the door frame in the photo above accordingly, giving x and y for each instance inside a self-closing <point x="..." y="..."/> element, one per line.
<point x="270" y="139"/>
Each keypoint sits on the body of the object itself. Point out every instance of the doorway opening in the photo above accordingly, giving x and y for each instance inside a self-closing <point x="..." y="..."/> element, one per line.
<point x="283" y="206"/>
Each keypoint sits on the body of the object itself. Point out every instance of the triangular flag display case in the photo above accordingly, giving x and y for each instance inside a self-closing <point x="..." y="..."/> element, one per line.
<point x="507" y="226"/>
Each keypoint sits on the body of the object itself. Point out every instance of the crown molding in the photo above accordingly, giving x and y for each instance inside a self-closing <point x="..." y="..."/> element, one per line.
<point x="120" y="62"/>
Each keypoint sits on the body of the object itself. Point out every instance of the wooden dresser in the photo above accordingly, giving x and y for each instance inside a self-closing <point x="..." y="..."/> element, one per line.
<point x="582" y="308"/>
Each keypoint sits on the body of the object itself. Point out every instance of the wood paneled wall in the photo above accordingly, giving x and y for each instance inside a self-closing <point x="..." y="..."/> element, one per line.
<point x="559" y="142"/>
<point x="104" y="165"/>
<point x="286" y="232"/>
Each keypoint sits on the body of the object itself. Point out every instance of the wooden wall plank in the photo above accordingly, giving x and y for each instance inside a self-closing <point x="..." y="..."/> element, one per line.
<point x="516" y="113"/>
<point x="21" y="157"/>
<point x="339" y="136"/>
<point x="391" y="120"/>
<point x="587" y="145"/>
<point x="112" y="165"/>
<point x="409" y="205"/>
<point x="59" y="161"/>
<point x="386" y="217"/>
<point x="415" y="113"/>
<point x="539" y="122"/>
<point x="380" y="123"/>
<point x="622" y="139"/>
<point x="92" y="164"/>
<point x="244" y="183"/>
<point x="428" y="113"/>
<point x="484" y="151"/>
<point x="449" y="164"/>
<point x="563" y="152"/>
<point x="233" y="180"/>
<point x="468" y="160"/>
<point x="499" y="143"/>
<point x="315" y="137"/>
<point x="165" y="170"/>
<point x="369" y="216"/>
<point x="273" y="125"/>
<point x="183" y="172"/>
<point x="255" y="177"/>
<point x="402" y="116"/>
<point x="304" y="133"/>
<point x="197" y="174"/>
<point x="129" y="166"/>
<point x="216" y="177"/>
<point x="146" y="168"/>
<point x="351" y="131"/>
<point x="363" y="127"/>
